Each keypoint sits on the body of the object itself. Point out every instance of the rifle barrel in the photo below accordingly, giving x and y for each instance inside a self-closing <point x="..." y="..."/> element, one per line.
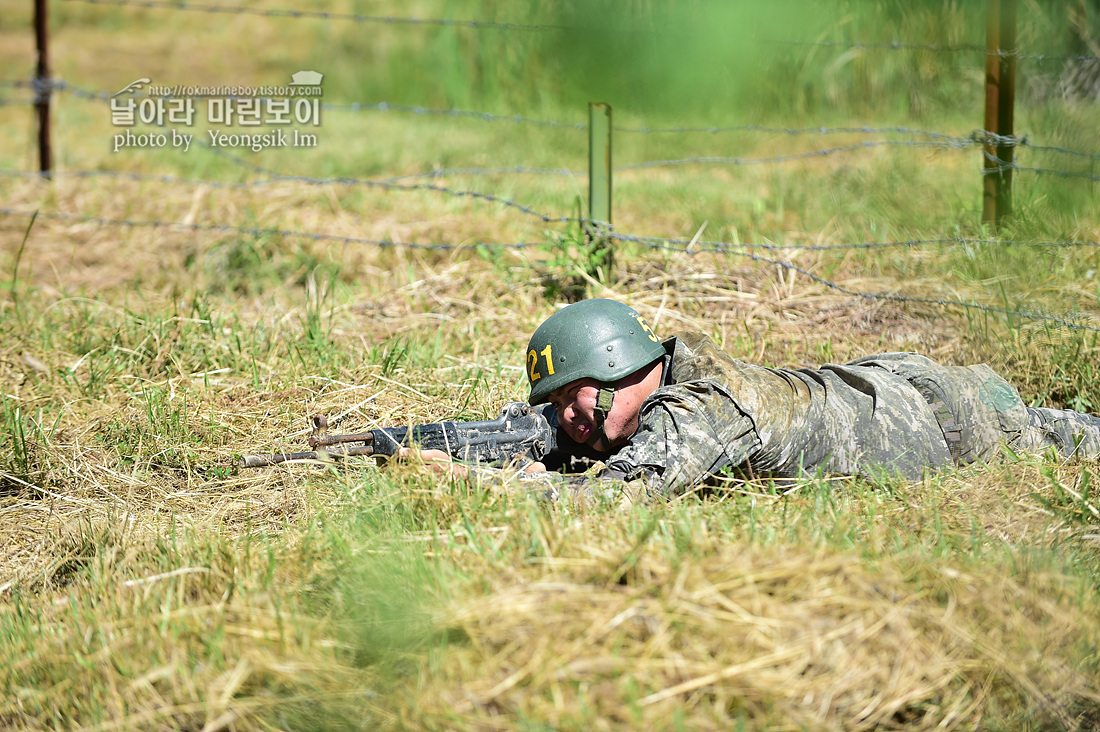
<point x="323" y="440"/>
<point x="262" y="461"/>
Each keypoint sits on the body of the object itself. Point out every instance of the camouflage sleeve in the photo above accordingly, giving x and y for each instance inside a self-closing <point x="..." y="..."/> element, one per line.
<point x="687" y="433"/>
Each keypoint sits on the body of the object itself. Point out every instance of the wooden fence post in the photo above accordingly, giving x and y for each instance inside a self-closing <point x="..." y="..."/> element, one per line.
<point x="43" y="85"/>
<point x="1000" y="92"/>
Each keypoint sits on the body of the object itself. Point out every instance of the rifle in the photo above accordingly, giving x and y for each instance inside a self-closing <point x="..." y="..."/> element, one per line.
<point x="520" y="431"/>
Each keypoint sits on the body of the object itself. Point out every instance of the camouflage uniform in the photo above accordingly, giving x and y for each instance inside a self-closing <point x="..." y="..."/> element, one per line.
<point x="893" y="413"/>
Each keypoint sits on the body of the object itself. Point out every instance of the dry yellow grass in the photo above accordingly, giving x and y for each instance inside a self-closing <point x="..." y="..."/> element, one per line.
<point x="785" y="637"/>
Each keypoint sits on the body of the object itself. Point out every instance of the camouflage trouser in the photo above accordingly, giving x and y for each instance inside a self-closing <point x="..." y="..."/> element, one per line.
<point x="1073" y="434"/>
<point x="978" y="411"/>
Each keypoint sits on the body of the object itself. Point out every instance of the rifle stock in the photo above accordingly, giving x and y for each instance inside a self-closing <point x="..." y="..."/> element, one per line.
<point x="520" y="432"/>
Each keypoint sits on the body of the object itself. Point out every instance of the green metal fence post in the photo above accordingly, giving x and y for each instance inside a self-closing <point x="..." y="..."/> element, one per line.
<point x="598" y="225"/>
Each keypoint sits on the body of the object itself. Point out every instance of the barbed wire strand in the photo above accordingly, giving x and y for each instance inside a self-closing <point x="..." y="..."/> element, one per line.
<point x="1001" y="165"/>
<point x="691" y="244"/>
<point x="942" y="302"/>
<point x="255" y="231"/>
<point x="1043" y="171"/>
<point x="1061" y="150"/>
<point x="323" y="15"/>
<point x="992" y="139"/>
<point x="261" y="182"/>
<point x="715" y="160"/>
<point x="488" y="197"/>
<point x="792" y="131"/>
<point x="392" y="184"/>
<point x="960" y="144"/>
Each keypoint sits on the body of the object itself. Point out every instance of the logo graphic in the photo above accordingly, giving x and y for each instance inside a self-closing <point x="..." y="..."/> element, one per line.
<point x="133" y="87"/>
<point x="998" y="394"/>
<point x="305" y="78"/>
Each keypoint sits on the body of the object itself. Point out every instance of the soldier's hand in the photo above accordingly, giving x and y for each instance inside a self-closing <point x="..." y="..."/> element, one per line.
<point x="440" y="462"/>
<point x="437" y="460"/>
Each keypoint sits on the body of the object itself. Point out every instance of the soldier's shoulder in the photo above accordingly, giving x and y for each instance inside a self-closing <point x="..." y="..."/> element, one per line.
<point x="696" y="356"/>
<point x="694" y="340"/>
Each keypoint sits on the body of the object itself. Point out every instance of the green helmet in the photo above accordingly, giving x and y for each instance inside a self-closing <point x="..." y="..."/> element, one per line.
<point x="592" y="339"/>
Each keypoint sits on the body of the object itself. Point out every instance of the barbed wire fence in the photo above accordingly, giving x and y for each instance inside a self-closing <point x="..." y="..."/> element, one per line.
<point x="992" y="143"/>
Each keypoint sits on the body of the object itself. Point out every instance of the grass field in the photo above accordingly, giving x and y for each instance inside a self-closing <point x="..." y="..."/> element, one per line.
<point x="164" y="312"/>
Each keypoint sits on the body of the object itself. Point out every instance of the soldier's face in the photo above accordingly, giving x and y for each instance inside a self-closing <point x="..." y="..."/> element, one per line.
<point x="575" y="404"/>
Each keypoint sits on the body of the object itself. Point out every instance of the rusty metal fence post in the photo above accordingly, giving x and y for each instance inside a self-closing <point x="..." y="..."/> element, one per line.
<point x="43" y="86"/>
<point x="1000" y="91"/>
<point x="598" y="226"/>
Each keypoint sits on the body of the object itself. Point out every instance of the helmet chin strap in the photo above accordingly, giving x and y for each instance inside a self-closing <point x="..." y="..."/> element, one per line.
<point x="604" y="401"/>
